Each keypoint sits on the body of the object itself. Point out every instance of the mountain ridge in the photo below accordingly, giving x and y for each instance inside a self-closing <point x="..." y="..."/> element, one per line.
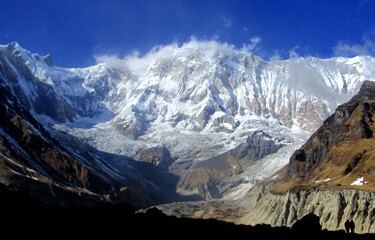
<point x="199" y="100"/>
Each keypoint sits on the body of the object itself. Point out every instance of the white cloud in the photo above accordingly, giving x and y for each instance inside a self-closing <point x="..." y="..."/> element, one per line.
<point x="302" y="76"/>
<point x="347" y="49"/>
<point x="139" y="65"/>
<point x="276" y="56"/>
<point x="253" y="42"/>
<point x="227" y="22"/>
<point x="293" y="52"/>
<point x="216" y="37"/>
<point x="134" y="62"/>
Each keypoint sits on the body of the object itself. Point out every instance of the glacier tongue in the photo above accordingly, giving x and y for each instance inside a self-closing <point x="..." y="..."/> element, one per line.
<point x="199" y="100"/>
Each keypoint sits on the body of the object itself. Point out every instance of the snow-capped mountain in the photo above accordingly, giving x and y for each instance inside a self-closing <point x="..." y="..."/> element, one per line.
<point x="225" y="116"/>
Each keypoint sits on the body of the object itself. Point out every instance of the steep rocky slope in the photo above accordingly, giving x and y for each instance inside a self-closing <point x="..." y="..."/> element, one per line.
<point x="340" y="154"/>
<point x="35" y="164"/>
<point x="334" y="207"/>
<point x="332" y="175"/>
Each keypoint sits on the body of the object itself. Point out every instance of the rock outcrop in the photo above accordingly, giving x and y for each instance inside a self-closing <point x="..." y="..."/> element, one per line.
<point x="332" y="206"/>
<point x="156" y="156"/>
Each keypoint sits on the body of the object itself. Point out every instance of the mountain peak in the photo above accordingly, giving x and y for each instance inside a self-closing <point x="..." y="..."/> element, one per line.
<point x="13" y="46"/>
<point x="15" y="49"/>
<point x="366" y="92"/>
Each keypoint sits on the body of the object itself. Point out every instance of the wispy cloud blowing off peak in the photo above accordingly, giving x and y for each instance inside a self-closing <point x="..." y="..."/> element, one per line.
<point x="253" y="43"/>
<point x="227" y="22"/>
<point x="347" y="49"/>
<point x="138" y="64"/>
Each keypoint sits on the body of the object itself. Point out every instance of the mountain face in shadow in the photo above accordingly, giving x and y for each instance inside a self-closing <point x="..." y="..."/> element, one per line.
<point x="64" y="171"/>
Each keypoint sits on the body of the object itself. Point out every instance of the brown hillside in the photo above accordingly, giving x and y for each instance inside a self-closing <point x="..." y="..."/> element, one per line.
<point x="341" y="152"/>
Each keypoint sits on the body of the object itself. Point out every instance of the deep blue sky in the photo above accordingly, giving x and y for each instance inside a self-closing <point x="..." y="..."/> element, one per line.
<point x="73" y="31"/>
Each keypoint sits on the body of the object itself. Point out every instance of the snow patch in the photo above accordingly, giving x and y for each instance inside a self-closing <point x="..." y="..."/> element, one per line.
<point x="321" y="181"/>
<point x="359" y="182"/>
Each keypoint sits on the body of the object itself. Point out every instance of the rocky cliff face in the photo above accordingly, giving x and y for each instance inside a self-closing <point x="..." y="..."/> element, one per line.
<point x="333" y="207"/>
<point x="156" y="155"/>
<point x="262" y="206"/>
